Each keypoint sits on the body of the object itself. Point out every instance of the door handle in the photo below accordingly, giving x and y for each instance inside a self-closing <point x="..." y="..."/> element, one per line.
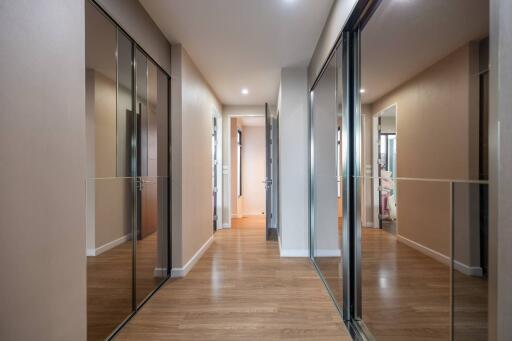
<point x="140" y="183"/>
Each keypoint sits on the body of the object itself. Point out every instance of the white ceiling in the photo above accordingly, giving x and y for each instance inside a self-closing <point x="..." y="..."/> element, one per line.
<point x="243" y="43"/>
<point x="404" y="37"/>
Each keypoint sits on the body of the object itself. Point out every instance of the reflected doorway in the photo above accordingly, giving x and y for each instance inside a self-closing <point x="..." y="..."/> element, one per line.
<point x="385" y="167"/>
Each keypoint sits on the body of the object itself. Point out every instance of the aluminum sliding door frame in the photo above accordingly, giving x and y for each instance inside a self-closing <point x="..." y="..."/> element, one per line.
<point x="347" y="179"/>
<point x="311" y="174"/>
<point x="349" y="41"/>
<point x="352" y="115"/>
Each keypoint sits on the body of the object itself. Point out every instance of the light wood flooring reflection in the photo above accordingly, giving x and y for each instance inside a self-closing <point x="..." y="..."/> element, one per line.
<point x="109" y="284"/>
<point x="406" y="294"/>
<point x="241" y="289"/>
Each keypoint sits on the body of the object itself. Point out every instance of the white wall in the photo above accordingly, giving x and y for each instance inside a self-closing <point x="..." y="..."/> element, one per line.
<point x="253" y="170"/>
<point x="293" y="162"/>
<point x="42" y="162"/>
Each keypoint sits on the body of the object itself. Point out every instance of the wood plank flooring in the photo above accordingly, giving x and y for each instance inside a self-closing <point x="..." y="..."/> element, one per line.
<point x="241" y="289"/>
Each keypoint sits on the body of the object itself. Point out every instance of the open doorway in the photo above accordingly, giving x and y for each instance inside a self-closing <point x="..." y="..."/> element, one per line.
<point x="384" y="164"/>
<point x="247" y="140"/>
<point x="251" y="168"/>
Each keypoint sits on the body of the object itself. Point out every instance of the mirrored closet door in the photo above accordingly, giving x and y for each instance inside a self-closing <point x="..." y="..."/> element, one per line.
<point x="127" y="223"/>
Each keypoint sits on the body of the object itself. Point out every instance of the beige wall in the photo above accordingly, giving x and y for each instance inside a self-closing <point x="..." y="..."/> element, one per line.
<point x="253" y="170"/>
<point x="42" y="162"/>
<point x="434" y="141"/>
<point x="192" y="108"/>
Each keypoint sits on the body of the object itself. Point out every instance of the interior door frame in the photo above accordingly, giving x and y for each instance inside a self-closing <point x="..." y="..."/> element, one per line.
<point x="218" y="170"/>
<point x="268" y="172"/>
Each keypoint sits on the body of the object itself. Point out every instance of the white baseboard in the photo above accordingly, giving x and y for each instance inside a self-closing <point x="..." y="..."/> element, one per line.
<point x="160" y="272"/>
<point x="226" y="226"/>
<point x="237" y="216"/>
<point x="108" y="246"/>
<point x="328" y="253"/>
<point x="182" y="272"/>
<point x="467" y="270"/>
<point x="294" y="253"/>
<point x="474" y="271"/>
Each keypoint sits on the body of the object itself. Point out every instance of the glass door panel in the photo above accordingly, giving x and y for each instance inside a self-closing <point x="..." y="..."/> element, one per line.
<point x="109" y="184"/>
<point x="326" y="198"/>
<point x="152" y="111"/>
<point x="424" y="225"/>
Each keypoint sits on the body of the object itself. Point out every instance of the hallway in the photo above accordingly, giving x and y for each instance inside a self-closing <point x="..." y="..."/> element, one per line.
<point x="241" y="290"/>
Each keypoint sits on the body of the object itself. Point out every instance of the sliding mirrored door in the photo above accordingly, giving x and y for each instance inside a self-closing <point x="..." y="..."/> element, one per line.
<point x="326" y="180"/>
<point x="152" y="161"/>
<point x="423" y="228"/>
<point x="109" y="181"/>
<point x="127" y="175"/>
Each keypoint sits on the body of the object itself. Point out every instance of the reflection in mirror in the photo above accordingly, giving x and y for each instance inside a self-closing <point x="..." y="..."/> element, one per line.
<point x="469" y="262"/>
<point x="109" y="206"/>
<point x="127" y="175"/>
<point x="423" y="129"/>
<point x="125" y="115"/>
<point x="151" y="253"/>
<point x="325" y="181"/>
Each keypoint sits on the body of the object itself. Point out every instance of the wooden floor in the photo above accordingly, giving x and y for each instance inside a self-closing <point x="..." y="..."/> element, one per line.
<point x="406" y="294"/>
<point x="241" y="290"/>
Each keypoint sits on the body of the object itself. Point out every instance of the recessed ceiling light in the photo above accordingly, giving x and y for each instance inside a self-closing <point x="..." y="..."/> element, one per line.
<point x="362" y="91"/>
<point x="245" y="91"/>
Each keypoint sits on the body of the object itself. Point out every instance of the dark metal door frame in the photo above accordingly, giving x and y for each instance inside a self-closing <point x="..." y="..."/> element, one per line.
<point x="268" y="172"/>
<point x="215" y="175"/>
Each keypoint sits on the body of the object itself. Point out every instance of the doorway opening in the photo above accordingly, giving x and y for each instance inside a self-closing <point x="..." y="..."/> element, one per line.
<point x="247" y="141"/>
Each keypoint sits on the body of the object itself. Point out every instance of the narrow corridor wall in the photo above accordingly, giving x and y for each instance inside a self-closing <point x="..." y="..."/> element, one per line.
<point x="42" y="162"/>
<point x="293" y="163"/>
<point x="193" y="105"/>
